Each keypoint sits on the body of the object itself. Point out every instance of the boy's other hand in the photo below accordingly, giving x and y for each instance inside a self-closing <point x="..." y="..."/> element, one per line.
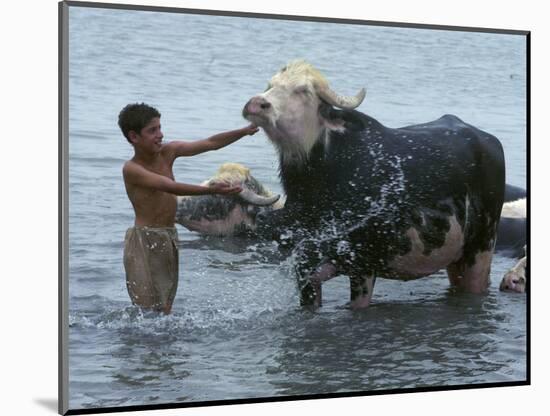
<point x="251" y="129"/>
<point x="225" y="189"/>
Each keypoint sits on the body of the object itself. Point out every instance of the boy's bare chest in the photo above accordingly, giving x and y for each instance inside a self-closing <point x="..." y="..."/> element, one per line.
<point x="158" y="195"/>
<point x="152" y="203"/>
<point x="161" y="169"/>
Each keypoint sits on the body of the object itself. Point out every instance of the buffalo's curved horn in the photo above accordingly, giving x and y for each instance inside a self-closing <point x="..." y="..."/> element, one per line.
<point x="340" y="101"/>
<point x="255" y="199"/>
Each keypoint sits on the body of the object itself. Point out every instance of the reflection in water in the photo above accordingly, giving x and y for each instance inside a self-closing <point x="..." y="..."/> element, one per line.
<point x="247" y="247"/>
<point x="448" y="341"/>
<point x="146" y="361"/>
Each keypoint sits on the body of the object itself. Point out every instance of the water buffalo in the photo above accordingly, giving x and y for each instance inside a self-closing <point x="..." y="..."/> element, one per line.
<point x="226" y="215"/>
<point x="512" y="229"/>
<point x="370" y="200"/>
<point x="515" y="279"/>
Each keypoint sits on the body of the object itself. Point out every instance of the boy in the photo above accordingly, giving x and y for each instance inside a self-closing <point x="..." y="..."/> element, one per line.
<point x="150" y="247"/>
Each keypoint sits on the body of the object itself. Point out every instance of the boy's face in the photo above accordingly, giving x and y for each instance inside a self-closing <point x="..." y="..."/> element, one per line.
<point x="149" y="139"/>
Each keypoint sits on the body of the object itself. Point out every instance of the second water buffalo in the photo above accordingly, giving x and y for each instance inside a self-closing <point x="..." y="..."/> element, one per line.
<point x="227" y="215"/>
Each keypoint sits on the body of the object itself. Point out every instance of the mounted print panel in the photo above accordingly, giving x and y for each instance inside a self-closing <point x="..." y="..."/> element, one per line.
<point x="261" y="207"/>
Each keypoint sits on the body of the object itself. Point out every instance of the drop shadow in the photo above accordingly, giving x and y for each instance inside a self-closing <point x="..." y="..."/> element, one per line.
<point x="50" y="404"/>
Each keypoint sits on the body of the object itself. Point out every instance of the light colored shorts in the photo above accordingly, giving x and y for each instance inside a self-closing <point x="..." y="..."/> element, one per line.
<point x="151" y="264"/>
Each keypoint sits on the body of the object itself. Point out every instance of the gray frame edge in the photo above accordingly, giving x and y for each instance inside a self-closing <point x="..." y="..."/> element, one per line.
<point x="321" y="19"/>
<point x="63" y="207"/>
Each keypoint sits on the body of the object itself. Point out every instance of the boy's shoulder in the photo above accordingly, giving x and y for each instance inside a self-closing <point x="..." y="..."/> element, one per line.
<point x="127" y="169"/>
<point x="133" y="172"/>
<point x="130" y="167"/>
<point x="168" y="149"/>
<point x="137" y="167"/>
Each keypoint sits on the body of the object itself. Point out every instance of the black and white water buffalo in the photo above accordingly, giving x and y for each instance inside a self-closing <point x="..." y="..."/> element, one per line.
<point x="377" y="201"/>
<point x="226" y="215"/>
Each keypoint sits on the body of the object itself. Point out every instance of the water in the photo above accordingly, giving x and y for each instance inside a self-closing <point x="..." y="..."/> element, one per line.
<point x="236" y="330"/>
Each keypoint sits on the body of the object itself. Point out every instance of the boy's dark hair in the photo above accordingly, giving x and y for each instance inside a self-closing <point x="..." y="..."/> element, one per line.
<point x="135" y="117"/>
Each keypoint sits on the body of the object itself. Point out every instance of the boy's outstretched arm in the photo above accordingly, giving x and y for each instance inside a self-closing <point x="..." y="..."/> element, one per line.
<point x="185" y="148"/>
<point x="137" y="175"/>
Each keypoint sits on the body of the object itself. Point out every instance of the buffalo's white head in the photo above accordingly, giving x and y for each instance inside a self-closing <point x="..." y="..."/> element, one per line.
<point x="225" y="215"/>
<point x="289" y="109"/>
<point x="235" y="174"/>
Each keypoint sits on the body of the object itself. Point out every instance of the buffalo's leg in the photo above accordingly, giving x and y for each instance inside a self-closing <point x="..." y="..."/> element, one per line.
<point x="361" y="288"/>
<point x="311" y="273"/>
<point x="311" y="287"/>
<point x="473" y="278"/>
<point x="482" y="209"/>
<point x="310" y="296"/>
<point x="306" y="259"/>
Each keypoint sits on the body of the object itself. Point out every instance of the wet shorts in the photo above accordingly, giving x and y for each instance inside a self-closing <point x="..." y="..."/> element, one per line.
<point x="151" y="264"/>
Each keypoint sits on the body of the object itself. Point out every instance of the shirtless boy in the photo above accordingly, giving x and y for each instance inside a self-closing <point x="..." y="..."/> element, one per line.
<point x="150" y="247"/>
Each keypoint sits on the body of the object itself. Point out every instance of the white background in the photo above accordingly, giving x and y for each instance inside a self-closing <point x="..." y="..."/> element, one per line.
<point x="28" y="163"/>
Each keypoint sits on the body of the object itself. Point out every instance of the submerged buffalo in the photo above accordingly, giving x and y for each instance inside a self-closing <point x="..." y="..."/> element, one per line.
<point x="226" y="215"/>
<point x="370" y="200"/>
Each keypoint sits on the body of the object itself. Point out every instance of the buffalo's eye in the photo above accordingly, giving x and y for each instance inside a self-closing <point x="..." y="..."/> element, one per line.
<point x="301" y="90"/>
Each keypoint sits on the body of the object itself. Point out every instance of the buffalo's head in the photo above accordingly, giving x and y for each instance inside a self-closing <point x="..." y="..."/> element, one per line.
<point x="227" y="214"/>
<point x="235" y="174"/>
<point x="291" y="109"/>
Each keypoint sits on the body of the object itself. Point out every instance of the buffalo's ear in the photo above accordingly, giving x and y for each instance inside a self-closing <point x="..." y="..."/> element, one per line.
<point x="331" y="117"/>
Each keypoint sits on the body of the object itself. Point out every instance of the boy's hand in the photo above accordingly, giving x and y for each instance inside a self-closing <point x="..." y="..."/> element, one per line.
<point x="251" y="130"/>
<point x="225" y="189"/>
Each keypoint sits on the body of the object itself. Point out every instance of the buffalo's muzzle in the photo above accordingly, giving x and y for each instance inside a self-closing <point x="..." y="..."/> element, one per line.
<point x="256" y="106"/>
